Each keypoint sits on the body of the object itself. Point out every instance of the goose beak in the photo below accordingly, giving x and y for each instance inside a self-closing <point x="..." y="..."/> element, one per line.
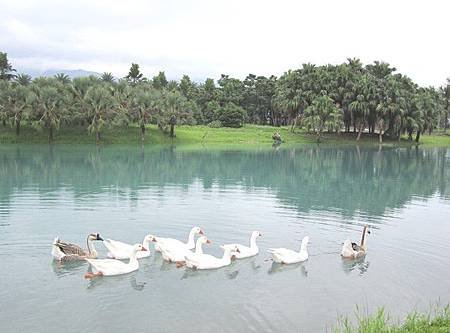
<point x="238" y="251"/>
<point x="260" y="234"/>
<point x="153" y="239"/>
<point x="208" y="242"/>
<point x="201" y="232"/>
<point x="99" y="238"/>
<point x="143" y="249"/>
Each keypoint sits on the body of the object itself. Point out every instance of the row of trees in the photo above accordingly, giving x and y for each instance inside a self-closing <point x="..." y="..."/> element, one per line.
<point x="346" y="97"/>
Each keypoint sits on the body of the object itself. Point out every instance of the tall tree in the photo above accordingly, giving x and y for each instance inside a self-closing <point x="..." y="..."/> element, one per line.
<point x="134" y="75"/>
<point x="323" y="115"/>
<point x="145" y="102"/>
<point x="160" y="81"/>
<point x="6" y="69"/>
<point x="47" y="105"/>
<point x="100" y="106"/>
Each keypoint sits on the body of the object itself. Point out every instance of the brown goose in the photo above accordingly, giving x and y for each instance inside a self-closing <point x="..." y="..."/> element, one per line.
<point x="352" y="250"/>
<point x="65" y="252"/>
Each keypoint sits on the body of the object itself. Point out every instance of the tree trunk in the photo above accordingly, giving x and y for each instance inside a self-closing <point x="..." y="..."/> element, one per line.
<point x="172" y="130"/>
<point x="4" y="122"/>
<point x="17" y="127"/>
<point x="417" y="136"/>
<point x="142" y="132"/>
<point x="410" y="132"/>
<point x="380" y="129"/>
<point x="360" y="130"/>
<point x="97" y="136"/>
<point x="294" y="124"/>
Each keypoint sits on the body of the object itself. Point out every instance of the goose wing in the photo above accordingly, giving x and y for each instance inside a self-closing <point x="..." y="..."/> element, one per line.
<point x="108" y="265"/>
<point x="117" y="244"/>
<point x="282" y="252"/>
<point x="70" y="249"/>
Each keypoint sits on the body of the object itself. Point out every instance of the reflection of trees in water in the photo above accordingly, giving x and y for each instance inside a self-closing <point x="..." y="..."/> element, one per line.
<point x="347" y="179"/>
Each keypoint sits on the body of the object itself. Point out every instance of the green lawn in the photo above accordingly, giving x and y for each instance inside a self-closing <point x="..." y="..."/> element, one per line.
<point x="247" y="135"/>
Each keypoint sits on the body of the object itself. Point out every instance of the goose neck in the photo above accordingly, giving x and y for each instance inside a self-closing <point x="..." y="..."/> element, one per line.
<point x="198" y="246"/>
<point x="146" y="243"/>
<point x="191" y="242"/>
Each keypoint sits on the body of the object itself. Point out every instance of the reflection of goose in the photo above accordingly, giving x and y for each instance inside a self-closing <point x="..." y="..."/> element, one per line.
<point x="348" y="265"/>
<point x="286" y="256"/>
<point x="352" y="250"/>
<point x="120" y="250"/>
<point x="277" y="268"/>
<point x="246" y="251"/>
<point x="207" y="261"/>
<point x="177" y="254"/>
<point x="70" y="252"/>
<point x="62" y="269"/>
<point x="161" y="242"/>
<point x="110" y="267"/>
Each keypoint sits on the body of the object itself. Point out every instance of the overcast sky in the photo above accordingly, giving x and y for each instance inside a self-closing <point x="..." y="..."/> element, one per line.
<point x="207" y="38"/>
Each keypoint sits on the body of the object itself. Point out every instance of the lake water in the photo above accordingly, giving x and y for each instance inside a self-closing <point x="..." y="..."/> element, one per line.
<point x="124" y="193"/>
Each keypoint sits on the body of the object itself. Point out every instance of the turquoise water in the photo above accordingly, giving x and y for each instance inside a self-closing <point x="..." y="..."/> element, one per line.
<point x="124" y="192"/>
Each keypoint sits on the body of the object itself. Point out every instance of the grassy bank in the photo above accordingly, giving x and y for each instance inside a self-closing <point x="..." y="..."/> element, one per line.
<point x="436" y="321"/>
<point x="247" y="135"/>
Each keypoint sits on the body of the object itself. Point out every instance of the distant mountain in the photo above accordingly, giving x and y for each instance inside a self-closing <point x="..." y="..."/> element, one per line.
<point x="72" y="73"/>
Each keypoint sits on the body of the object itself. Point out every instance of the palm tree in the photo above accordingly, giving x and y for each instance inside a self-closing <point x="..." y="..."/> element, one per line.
<point x="100" y="106"/>
<point x="23" y="79"/>
<point x="47" y="104"/>
<point x="63" y="78"/>
<point x="107" y="77"/>
<point x="360" y="106"/>
<point x="17" y="101"/>
<point x="174" y="108"/>
<point x="145" y="102"/>
<point x="323" y="114"/>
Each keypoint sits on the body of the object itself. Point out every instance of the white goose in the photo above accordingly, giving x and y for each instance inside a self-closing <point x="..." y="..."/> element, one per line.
<point x="65" y="252"/>
<point x="246" y="251"/>
<point x="109" y="267"/>
<point x="120" y="250"/>
<point x="207" y="261"/>
<point x="286" y="256"/>
<point x="161" y="242"/>
<point x="352" y="250"/>
<point x="177" y="254"/>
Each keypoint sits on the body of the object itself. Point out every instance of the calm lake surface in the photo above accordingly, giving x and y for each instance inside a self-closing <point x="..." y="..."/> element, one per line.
<point x="124" y="193"/>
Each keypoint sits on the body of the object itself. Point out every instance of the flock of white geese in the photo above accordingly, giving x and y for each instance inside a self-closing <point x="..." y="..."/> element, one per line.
<point x="189" y="254"/>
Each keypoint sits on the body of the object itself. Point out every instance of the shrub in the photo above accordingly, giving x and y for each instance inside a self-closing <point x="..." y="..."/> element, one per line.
<point x="215" y="124"/>
<point x="232" y="115"/>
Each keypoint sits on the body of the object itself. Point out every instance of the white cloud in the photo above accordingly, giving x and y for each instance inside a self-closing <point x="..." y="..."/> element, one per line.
<point x="206" y="38"/>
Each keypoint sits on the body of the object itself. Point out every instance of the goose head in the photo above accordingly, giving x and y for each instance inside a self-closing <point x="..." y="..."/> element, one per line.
<point x="204" y="240"/>
<point x="197" y="230"/>
<point x="138" y="247"/>
<point x="256" y="234"/>
<point x="305" y="242"/>
<point x="152" y="238"/>
<point x="94" y="237"/>
<point x="231" y="251"/>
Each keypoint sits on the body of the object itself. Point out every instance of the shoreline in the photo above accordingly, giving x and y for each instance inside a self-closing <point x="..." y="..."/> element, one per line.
<point x="203" y="135"/>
